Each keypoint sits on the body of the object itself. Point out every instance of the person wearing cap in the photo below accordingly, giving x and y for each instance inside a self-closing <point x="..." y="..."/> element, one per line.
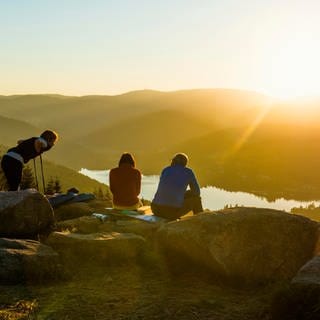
<point x="125" y="184"/>
<point x="173" y="199"/>
<point x="12" y="162"/>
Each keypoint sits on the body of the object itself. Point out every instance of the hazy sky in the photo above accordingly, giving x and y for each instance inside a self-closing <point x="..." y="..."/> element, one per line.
<point x="79" y="47"/>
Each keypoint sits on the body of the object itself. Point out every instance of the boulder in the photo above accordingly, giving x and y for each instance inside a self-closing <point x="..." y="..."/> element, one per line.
<point x="245" y="245"/>
<point x="25" y="214"/>
<point x="309" y="274"/>
<point x="73" y="210"/>
<point x="301" y="299"/>
<point x="107" y="248"/>
<point x="27" y="261"/>
<point x="100" y="205"/>
<point x="108" y="223"/>
<point x="142" y="228"/>
<point x="85" y="224"/>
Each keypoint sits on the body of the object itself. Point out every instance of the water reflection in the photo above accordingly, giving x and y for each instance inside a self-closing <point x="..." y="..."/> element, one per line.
<point x="213" y="198"/>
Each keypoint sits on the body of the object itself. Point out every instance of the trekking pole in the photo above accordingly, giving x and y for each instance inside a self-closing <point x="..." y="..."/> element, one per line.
<point x="35" y="173"/>
<point x="43" y="183"/>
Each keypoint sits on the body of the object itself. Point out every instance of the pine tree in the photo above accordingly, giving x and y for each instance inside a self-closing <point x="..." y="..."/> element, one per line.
<point x="57" y="186"/>
<point x="3" y="180"/>
<point x="50" y="186"/>
<point x="100" y="194"/>
<point x="108" y="195"/>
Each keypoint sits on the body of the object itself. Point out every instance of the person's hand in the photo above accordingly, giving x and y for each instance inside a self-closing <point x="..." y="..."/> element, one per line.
<point x="39" y="145"/>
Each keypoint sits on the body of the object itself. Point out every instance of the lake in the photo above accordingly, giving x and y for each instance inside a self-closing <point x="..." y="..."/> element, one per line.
<point x="212" y="198"/>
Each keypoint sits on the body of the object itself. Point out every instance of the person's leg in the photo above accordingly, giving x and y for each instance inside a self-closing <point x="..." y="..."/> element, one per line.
<point x="134" y="207"/>
<point x="191" y="203"/>
<point x="169" y="213"/>
<point x="12" y="169"/>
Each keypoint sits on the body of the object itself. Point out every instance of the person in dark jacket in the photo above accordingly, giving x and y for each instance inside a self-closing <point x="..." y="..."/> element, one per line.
<point x="172" y="199"/>
<point x="12" y="162"/>
<point x="125" y="184"/>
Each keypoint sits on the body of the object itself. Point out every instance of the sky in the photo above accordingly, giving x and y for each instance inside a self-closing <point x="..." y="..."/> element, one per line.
<point x="82" y="47"/>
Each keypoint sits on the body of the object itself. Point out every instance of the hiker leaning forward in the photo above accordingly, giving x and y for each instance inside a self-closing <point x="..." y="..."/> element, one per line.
<point x="12" y="162"/>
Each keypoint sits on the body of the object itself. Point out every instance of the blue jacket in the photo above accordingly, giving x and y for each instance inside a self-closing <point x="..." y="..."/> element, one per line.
<point x="173" y="184"/>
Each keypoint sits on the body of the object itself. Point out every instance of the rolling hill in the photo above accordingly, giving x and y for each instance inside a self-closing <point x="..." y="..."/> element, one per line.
<point x="12" y="130"/>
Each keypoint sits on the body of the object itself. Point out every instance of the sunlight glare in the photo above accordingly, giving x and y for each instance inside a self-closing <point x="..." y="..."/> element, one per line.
<point x="249" y="131"/>
<point x="294" y="68"/>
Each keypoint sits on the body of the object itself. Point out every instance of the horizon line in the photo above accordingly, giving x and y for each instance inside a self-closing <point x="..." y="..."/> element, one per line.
<point x="252" y="91"/>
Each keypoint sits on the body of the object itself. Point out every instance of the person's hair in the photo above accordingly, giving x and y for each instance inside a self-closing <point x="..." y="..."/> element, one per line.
<point x="179" y="159"/>
<point x="127" y="158"/>
<point x="49" y="135"/>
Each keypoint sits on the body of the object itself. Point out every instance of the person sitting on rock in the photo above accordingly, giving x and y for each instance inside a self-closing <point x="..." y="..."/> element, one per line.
<point x="172" y="199"/>
<point x="12" y="162"/>
<point x="125" y="184"/>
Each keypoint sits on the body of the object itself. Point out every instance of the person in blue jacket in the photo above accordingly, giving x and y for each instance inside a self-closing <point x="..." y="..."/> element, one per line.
<point x="173" y="199"/>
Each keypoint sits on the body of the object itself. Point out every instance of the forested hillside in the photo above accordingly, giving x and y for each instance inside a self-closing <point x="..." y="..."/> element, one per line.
<point x="67" y="177"/>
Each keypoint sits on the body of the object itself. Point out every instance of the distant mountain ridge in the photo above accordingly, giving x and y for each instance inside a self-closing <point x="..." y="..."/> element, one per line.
<point x="236" y="138"/>
<point x="76" y="117"/>
<point x="96" y="111"/>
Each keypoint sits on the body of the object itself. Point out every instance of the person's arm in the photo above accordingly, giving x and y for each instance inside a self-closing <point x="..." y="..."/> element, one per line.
<point x="111" y="178"/>
<point x="138" y="183"/>
<point x="39" y="145"/>
<point x="194" y="185"/>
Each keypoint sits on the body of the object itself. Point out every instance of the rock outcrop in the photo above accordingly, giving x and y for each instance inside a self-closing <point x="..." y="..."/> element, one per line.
<point x="309" y="274"/>
<point x="139" y="227"/>
<point x="301" y="298"/>
<point x="110" y="223"/>
<point x="85" y="225"/>
<point x="247" y="245"/>
<point x="25" y="214"/>
<point x="73" y="210"/>
<point x="27" y="261"/>
<point x="107" y="248"/>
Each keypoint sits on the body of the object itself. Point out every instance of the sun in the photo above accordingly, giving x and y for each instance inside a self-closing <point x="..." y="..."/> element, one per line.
<point x="293" y="69"/>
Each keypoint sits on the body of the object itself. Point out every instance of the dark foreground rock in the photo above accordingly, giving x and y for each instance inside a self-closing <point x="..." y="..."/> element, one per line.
<point x="309" y="274"/>
<point x="301" y="299"/>
<point x="69" y="211"/>
<point x="139" y="227"/>
<point x="73" y="210"/>
<point x="107" y="248"/>
<point x="109" y="223"/>
<point x="244" y="245"/>
<point x="85" y="225"/>
<point x="27" y="261"/>
<point x="25" y="214"/>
